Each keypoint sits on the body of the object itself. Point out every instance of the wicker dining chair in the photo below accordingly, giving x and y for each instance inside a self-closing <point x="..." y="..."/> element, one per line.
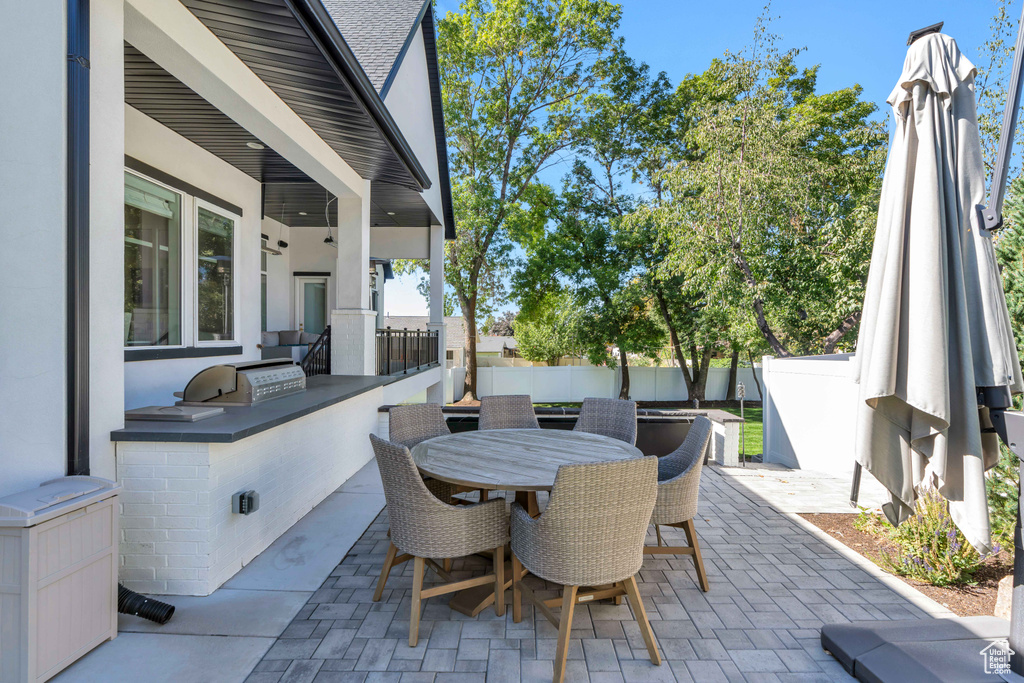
<point x="608" y="417"/>
<point x="423" y="527"/>
<point x="591" y="534"/>
<point x="678" y="489"/>
<point x="409" y="425"/>
<point x="507" y="412"/>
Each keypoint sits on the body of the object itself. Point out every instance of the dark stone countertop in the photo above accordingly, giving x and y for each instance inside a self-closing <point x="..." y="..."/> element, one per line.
<point x="237" y="423"/>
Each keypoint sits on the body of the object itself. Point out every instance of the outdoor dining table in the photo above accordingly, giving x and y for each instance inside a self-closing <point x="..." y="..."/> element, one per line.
<point x="521" y="460"/>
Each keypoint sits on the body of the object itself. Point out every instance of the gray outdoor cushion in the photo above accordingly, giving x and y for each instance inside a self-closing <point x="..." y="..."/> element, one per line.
<point x="289" y="337"/>
<point x="849" y="643"/>
<point x="308" y="338"/>
<point x="271" y="339"/>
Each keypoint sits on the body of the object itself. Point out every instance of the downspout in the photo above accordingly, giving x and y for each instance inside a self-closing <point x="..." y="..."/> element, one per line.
<point x="77" y="397"/>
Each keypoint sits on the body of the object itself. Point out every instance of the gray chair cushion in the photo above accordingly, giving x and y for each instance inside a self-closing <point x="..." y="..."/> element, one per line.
<point x="289" y="337"/>
<point x="271" y="339"/>
<point x="308" y="337"/>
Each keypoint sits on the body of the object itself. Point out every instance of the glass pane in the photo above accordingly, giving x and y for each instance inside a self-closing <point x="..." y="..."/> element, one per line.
<point x="314" y="302"/>
<point x="152" y="264"/>
<point x="215" y="314"/>
<point x="263" y="302"/>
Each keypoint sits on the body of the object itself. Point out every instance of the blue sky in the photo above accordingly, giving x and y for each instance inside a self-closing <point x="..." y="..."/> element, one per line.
<point x="855" y="41"/>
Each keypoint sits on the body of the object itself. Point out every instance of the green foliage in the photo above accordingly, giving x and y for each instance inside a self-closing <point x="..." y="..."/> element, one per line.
<point x="502" y="326"/>
<point x="515" y="77"/>
<point x="1002" y="487"/>
<point x="552" y="333"/>
<point x="927" y="547"/>
<point x="1010" y="254"/>
<point x="774" y="167"/>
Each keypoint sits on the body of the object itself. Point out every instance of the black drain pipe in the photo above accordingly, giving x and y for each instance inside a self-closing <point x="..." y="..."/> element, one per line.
<point x="130" y="602"/>
<point x="77" y="357"/>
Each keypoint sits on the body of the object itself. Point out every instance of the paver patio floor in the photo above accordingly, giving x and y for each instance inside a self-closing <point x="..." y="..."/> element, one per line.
<point x="773" y="584"/>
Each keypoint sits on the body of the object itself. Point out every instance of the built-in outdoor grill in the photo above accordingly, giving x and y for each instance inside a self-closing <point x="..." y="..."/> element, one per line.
<point x="243" y="384"/>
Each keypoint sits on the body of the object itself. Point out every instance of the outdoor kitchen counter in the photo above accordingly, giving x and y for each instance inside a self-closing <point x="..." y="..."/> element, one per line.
<point x="238" y="423"/>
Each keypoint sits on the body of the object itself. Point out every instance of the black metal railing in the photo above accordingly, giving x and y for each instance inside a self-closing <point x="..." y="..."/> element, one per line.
<point x="401" y="351"/>
<point x="318" y="360"/>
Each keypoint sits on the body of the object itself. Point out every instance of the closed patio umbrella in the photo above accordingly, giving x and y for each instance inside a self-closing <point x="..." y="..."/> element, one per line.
<point x="935" y="326"/>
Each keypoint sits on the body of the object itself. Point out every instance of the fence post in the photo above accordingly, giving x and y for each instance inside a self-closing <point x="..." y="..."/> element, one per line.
<point x="767" y="415"/>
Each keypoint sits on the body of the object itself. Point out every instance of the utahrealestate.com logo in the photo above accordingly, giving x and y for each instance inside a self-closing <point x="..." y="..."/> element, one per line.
<point x="997" y="657"/>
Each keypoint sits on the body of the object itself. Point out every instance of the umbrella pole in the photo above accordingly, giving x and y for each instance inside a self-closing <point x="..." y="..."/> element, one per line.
<point x="1006" y="421"/>
<point x="1016" y="641"/>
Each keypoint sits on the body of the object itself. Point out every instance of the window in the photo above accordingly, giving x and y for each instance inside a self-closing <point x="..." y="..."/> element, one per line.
<point x="263" y="287"/>
<point x="215" y="278"/>
<point x="180" y="268"/>
<point x="152" y="264"/>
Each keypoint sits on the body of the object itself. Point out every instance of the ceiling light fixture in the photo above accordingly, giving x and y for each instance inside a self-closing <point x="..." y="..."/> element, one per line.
<point x="255" y="145"/>
<point x="391" y="213"/>
<point x="303" y="213"/>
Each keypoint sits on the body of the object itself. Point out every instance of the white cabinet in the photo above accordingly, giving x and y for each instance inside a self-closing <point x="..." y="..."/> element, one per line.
<point x="58" y="575"/>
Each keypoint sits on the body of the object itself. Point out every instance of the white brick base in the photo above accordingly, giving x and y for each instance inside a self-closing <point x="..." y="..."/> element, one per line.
<point x="353" y="348"/>
<point x="178" y="534"/>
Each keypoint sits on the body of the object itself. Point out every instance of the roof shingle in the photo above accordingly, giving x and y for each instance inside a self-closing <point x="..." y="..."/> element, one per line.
<point x="375" y="30"/>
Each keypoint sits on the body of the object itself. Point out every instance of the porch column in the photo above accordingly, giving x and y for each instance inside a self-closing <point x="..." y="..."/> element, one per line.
<point x="353" y="322"/>
<point x="435" y="392"/>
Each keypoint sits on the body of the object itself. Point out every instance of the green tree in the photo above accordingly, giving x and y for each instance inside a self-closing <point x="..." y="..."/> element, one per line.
<point x="773" y="212"/>
<point x="585" y="253"/>
<point x="552" y="333"/>
<point x="1010" y="254"/>
<point x="502" y="326"/>
<point x="515" y="75"/>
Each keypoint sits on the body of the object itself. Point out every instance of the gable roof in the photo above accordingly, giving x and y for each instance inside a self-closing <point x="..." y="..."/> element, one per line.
<point x="493" y="343"/>
<point x="378" y="32"/>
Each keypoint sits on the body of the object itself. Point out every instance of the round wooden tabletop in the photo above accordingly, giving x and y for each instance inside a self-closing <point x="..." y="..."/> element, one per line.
<point x="514" y="459"/>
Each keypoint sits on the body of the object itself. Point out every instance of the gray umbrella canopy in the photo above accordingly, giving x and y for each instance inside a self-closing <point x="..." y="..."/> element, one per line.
<point x="935" y="324"/>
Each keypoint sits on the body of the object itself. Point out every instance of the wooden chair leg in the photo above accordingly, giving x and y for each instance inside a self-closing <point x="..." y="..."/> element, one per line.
<point x="517" y="595"/>
<point x="499" y="580"/>
<point x="389" y="560"/>
<point x="698" y="561"/>
<point x="564" y="627"/>
<point x="447" y="564"/>
<point x="484" y="495"/>
<point x="657" y="531"/>
<point x="641" y="619"/>
<point x="417" y="588"/>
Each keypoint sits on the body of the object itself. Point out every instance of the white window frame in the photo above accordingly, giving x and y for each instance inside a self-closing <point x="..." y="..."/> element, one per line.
<point x="236" y="273"/>
<point x="189" y="277"/>
<point x="185" y="308"/>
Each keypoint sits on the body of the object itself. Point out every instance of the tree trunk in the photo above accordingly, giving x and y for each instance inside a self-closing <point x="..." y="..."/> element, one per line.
<point x="700" y="363"/>
<point x="674" y="340"/>
<point x="624" y="369"/>
<point x="844" y="327"/>
<point x="753" y="371"/>
<point x="734" y="371"/>
<point x="469" y="392"/>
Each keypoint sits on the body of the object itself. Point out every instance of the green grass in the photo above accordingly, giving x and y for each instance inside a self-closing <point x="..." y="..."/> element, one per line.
<point x="754" y="440"/>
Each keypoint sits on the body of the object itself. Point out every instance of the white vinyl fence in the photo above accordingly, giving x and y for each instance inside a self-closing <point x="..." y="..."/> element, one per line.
<point x="810" y="413"/>
<point x="571" y="384"/>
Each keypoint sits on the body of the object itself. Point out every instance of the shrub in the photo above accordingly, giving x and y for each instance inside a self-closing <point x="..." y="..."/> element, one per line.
<point x="1001" y="486"/>
<point x="927" y="547"/>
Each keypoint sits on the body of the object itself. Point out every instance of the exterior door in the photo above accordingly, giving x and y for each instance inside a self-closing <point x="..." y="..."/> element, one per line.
<point x="311" y="304"/>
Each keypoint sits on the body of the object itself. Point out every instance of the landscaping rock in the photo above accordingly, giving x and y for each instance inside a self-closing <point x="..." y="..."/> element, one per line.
<point x="1004" y="597"/>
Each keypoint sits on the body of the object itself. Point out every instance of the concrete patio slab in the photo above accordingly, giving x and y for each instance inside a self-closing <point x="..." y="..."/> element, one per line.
<point x="805" y="491"/>
<point x="228" y="612"/>
<point x="306" y="554"/>
<point x="169" y="659"/>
